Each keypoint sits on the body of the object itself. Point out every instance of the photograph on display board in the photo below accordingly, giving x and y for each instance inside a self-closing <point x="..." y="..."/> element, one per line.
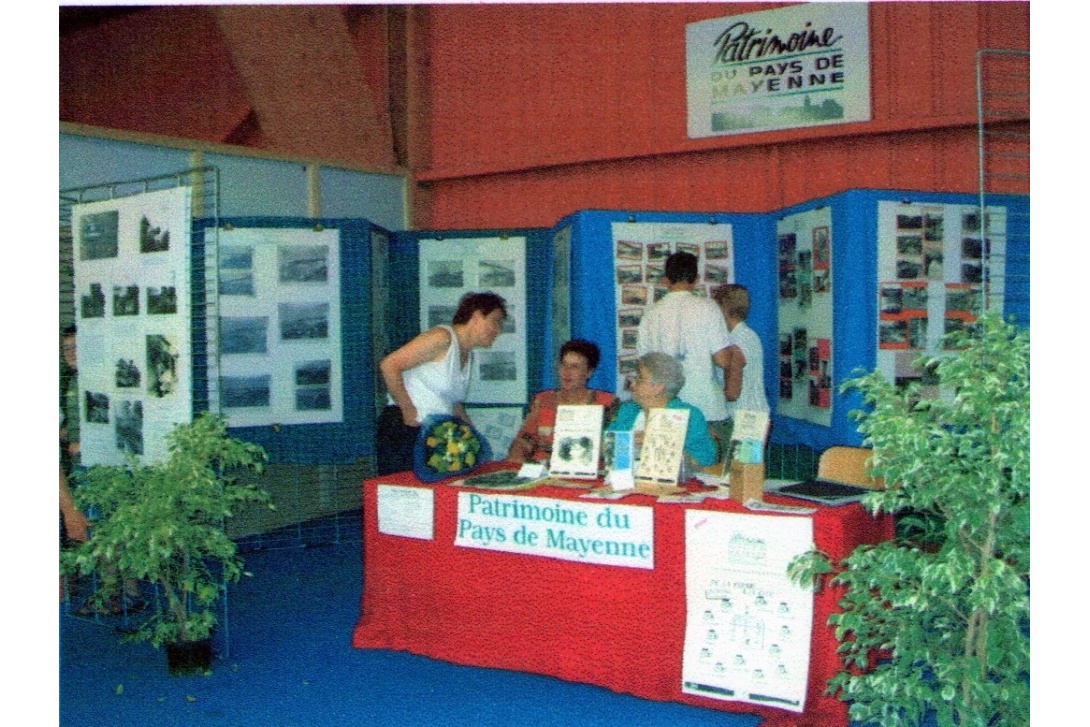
<point x="241" y="392"/>
<point x="312" y="385"/>
<point x="153" y="238"/>
<point x="98" y="235"/>
<point x="127" y="374"/>
<point x="129" y="427"/>
<point x="236" y="271"/>
<point x="162" y="365"/>
<point x="300" y="321"/>
<point x="244" y="335"/>
<point x="162" y="300"/>
<point x="788" y="282"/>
<point x="96" y="407"/>
<point x="496" y="274"/>
<point x="93" y="302"/>
<point x="303" y="263"/>
<point x="627" y="250"/>
<point x="446" y="274"/>
<point x="126" y="300"/>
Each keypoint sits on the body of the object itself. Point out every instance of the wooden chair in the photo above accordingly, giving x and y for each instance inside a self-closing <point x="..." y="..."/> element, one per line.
<point x="848" y="465"/>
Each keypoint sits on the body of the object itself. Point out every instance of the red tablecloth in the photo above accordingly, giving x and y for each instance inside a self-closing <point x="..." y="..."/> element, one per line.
<point x="620" y="628"/>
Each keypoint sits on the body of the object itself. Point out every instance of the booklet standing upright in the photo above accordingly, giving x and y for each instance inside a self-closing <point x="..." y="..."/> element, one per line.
<point x="577" y="441"/>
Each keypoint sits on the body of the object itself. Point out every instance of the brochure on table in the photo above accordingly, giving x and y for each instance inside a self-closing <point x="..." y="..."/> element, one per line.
<point x="747" y="628"/>
<point x="577" y="438"/>
<point x="663" y="447"/>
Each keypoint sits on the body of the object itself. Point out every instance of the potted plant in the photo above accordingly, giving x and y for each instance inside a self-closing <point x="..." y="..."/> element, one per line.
<point x="162" y="523"/>
<point x="943" y="626"/>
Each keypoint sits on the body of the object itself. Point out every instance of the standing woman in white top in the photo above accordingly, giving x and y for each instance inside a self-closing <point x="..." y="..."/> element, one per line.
<point x="744" y="379"/>
<point x="429" y="376"/>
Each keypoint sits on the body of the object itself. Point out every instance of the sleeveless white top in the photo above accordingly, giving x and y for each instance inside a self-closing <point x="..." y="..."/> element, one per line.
<point x="436" y="386"/>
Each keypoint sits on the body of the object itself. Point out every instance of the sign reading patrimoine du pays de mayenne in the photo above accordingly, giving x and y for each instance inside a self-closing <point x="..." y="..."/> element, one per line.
<point x="606" y="534"/>
<point x="803" y="65"/>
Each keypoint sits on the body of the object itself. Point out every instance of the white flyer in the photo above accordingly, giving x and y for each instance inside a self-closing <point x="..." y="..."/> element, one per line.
<point x="577" y="441"/>
<point x="747" y="629"/>
<point x="406" y="511"/>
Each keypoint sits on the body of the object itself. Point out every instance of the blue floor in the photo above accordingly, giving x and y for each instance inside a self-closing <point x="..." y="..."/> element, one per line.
<point x="291" y="663"/>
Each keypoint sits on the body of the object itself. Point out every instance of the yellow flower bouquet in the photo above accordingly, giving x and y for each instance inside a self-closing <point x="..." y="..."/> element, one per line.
<point x="447" y="447"/>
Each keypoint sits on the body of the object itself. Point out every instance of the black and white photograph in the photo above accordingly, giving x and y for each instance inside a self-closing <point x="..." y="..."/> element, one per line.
<point x="162" y="300"/>
<point x="239" y="392"/>
<point x="93" y="303"/>
<point x="972" y="273"/>
<point x="507" y="325"/>
<point x="659" y="292"/>
<point x="96" y="407"/>
<point x="909" y="269"/>
<point x="970" y="222"/>
<point x="303" y="321"/>
<point x="236" y="271"/>
<point x="917" y="332"/>
<point x="303" y="263"/>
<point x="971" y="248"/>
<point x="153" y="238"/>
<point x="98" y="235"/>
<point x="162" y="365"/>
<point x="655" y="274"/>
<point x="446" y="274"/>
<point x="496" y="273"/>
<point x="821" y="281"/>
<point x="892" y="333"/>
<point x="964" y="300"/>
<point x="629" y="337"/>
<point x="244" y="335"/>
<point x="129" y="427"/>
<point x="126" y="300"/>
<point x="497" y="366"/>
<point x="627" y="250"/>
<point x="440" y="315"/>
<point x="312" y="385"/>
<point x="126" y="374"/>
<point x="576" y="451"/>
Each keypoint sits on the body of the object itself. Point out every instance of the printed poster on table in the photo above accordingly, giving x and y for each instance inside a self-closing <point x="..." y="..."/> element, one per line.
<point x="805" y="315"/>
<point x="747" y="627"/>
<point x="798" y="66"/>
<point x="939" y="266"/>
<point x="450" y="268"/>
<point x="640" y="250"/>
<point x="280" y="326"/>
<point x="132" y="292"/>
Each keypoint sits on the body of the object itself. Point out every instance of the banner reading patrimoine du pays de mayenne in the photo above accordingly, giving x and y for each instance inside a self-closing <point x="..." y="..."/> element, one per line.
<point x="607" y="534"/>
<point x="803" y="65"/>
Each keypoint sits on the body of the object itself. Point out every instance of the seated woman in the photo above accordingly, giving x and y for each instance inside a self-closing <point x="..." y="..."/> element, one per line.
<point x="659" y="378"/>
<point x="534" y="441"/>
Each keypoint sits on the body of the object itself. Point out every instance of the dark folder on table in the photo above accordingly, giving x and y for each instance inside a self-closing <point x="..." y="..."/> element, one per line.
<point x="825" y="492"/>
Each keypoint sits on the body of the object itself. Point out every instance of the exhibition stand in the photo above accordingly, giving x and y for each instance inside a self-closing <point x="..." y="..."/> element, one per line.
<point x="433" y="587"/>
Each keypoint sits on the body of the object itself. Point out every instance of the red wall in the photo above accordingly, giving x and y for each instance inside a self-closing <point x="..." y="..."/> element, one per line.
<point x="539" y="110"/>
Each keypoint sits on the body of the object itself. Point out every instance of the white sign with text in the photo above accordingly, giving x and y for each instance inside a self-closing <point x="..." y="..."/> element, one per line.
<point x="606" y="534"/>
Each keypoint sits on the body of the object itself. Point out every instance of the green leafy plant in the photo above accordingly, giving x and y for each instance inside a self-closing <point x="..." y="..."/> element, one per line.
<point x="942" y="625"/>
<point x="163" y="523"/>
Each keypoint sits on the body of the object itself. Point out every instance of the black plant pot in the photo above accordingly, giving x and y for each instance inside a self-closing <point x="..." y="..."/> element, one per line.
<point x="186" y="658"/>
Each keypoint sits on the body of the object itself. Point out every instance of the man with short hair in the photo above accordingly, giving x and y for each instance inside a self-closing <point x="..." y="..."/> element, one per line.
<point x="690" y="328"/>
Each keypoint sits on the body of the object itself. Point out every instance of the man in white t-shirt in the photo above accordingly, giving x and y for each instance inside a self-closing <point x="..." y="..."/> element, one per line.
<point x="690" y="328"/>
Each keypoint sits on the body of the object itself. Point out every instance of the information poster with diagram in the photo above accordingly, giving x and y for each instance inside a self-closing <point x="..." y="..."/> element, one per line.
<point x="280" y="326"/>
<point x="805" y="315"/>
<point x="133" y="352"/>
<point x="640" y="250"/>
<point x="938" y="266"/>
<point x="449" y="269"/>
<point x="747" y="627"/>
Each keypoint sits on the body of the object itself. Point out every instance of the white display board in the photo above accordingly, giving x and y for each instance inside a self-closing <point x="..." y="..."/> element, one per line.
<point x="640" y="250"/>
<point x="934" y="261"/>
<point x="747" y="627"/>
<point x="280" y="326"/>
<point x="450" y="268"/>
<point x="805" y="316"/>
<point x="133" y="342"/>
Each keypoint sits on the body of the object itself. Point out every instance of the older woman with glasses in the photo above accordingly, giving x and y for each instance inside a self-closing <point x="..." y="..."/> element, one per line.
<point x="658" y="380"/>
